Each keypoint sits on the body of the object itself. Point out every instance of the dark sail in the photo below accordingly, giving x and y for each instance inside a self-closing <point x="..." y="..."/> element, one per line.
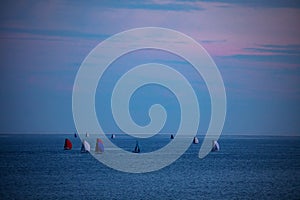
<point x="137" y="148"/>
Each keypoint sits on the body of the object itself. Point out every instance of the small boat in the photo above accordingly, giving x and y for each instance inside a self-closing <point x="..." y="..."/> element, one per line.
<point x="99" y="146"/>
<point x="87" y="134"/>
<point x="112" y="136"/>
<point x="172" y="137"/>
<point x="195" y="140"/>
<point x="85" y="147"/>
<point x="68" y="144"/>
<point x="215" y="146"/>
<point x="137" y="148"/>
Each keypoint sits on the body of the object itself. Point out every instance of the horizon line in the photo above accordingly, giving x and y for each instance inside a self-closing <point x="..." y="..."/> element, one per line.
<point x="269" y="133"/>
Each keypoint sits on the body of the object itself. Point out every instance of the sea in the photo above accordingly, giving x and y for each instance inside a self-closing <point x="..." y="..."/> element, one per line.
<point x="35" y="166"/>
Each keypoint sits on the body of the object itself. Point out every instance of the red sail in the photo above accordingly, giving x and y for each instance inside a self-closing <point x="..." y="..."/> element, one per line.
<point x="68" y="145"/>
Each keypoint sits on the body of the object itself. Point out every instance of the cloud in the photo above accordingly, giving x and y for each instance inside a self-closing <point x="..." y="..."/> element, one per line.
<point x="287" y="59"/>
<point x="46" y="34"/>
<point x="288" y="54"/>
<point x="289" y="49"/>
<point x="212" y="41"/>
<point x="151" y="5"/>
<point x="261" y="3"/>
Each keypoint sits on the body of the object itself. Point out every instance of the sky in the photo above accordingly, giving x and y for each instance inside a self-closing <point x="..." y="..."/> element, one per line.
<point x="255" y="44"/>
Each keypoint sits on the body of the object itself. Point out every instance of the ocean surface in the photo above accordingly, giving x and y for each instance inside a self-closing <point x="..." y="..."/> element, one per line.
<point x="35" y="166"/>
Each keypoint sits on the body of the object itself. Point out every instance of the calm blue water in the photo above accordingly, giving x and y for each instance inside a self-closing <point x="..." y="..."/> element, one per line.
<point x="37" y="167"/>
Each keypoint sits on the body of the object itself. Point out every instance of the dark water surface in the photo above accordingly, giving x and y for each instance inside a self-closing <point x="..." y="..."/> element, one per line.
<point x="252" y="167"/>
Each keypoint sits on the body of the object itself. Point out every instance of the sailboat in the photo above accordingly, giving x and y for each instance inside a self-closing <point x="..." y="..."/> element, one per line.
<point x="172" y="136"/>
<point x="68" y="144"/>
<point x="87" y="134"/>
<point x="99" y="146"/>
<point x="215" y="146"/>
<point x="85" y="147"/>
<point x="195" y="140"/>
<point x="112" y="136"/>
<point x="137" y="148"/>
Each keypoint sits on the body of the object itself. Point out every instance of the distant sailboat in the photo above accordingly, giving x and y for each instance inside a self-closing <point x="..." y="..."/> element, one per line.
<point x="172" y="136"/>
<point x="215" y="146"/>
<point x="195" y="140"/>
<point x="87" y="134"/>
<point x="99" y="146"/>
<point x="85" y="147"/>
<point x="112" y="136"/>
<point x="68" y="144"/>
<point x="137" y="148"/>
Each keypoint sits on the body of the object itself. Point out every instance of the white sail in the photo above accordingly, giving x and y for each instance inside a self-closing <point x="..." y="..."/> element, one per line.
<point x="195" y="140"/>
<point x="215" y="146"/>
<point x="87" y="134"/>
<point x="85" y="146"/>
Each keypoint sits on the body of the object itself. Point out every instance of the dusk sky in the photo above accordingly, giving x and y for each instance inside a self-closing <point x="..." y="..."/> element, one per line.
<point x="255" y="44"/>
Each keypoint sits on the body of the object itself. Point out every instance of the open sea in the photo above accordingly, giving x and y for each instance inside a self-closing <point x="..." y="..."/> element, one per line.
<point x="35" y="166"/>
